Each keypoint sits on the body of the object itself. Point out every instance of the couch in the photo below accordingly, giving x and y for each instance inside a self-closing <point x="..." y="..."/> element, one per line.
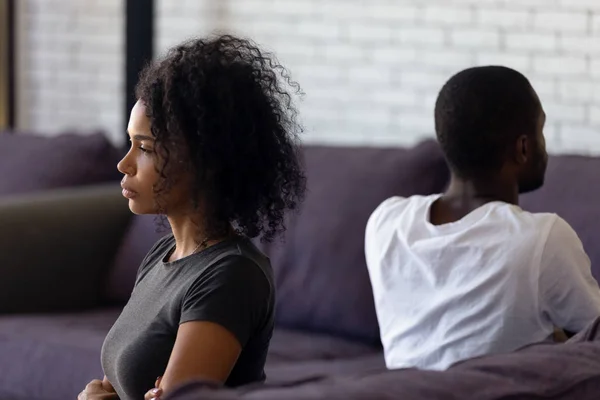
<point x="69" y="254"/>
<point x="549" y="372"/>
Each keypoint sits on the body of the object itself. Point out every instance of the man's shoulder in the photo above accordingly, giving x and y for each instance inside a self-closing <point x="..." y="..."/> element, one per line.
<point x="559" y="229"/>
<point x="541" y="220"/>
<point x="549" y="228"/>
<point x="394" y="211"/>
<point x="537" y="217"/>
<point x="398" y="204"/>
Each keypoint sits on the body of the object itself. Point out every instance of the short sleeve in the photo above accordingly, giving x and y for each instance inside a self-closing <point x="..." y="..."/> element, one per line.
<point x="380" y="213"/>
<point x="569" y="293"/>
<point x="234" y="293"/>
<point x="380" y="216"/>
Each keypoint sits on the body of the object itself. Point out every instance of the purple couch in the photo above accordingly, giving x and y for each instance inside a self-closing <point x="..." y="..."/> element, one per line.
<point x="549" y="372"/>
<point x="69" y="258"/>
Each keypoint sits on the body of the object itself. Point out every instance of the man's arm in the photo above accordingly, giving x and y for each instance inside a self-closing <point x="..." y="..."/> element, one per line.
<point x="569" y="293"/>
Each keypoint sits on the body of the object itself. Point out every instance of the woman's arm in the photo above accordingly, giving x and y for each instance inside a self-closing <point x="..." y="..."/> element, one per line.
<point x="203" y="350"/>
<point x="220" y="312"/>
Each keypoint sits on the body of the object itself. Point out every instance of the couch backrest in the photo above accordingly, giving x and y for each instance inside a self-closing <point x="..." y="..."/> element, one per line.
<point x="30" y="163"/>
<point x="320" y="270"/>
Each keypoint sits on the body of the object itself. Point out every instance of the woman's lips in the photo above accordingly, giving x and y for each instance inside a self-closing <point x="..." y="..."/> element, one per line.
<point x="127" y="193"/>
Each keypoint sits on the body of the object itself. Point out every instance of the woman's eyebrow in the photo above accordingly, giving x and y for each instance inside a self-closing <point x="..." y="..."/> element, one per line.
<point x="143" y="137"/>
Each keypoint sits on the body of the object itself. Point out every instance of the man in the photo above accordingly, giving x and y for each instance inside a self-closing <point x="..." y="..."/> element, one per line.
<point x="469" y="273"/>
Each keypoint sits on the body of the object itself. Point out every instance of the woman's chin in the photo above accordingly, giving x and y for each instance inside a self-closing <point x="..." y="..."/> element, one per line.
<point x="139" y="209"/>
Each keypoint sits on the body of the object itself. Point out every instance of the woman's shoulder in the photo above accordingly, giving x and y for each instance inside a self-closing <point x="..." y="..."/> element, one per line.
<point x="241" y="259"/>
<point x="235" y="290"/>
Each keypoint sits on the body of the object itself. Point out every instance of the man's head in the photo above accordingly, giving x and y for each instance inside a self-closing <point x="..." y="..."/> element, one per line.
<point x="489" y="122"/>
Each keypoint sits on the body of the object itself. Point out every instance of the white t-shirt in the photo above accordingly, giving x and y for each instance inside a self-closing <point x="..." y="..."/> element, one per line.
<point x="496" y="280"/>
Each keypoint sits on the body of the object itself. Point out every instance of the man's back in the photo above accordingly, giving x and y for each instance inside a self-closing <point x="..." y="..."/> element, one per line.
<point x="494" y="281"/>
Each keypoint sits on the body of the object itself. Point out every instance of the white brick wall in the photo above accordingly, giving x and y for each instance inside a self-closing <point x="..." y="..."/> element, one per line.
<point x="70" y="66"/>
<point x="371" y="70"/>
<point x="560" y="20"/>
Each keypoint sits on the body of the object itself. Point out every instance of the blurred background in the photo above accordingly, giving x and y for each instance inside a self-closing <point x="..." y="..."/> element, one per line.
<point x="370" y="69"/>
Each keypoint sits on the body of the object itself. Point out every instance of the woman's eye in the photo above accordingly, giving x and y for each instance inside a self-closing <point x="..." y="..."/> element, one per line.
<point x="145" y="150"/>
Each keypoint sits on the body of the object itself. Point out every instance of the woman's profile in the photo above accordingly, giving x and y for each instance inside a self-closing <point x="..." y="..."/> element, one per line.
<point x="214" y="149"/>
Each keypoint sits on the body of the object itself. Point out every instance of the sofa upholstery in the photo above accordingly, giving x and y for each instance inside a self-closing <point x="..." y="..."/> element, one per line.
<point x="32" y="162"/>
<point x="53" y="356"/>
<point x="54" y="248"/>
<point x="46" y="274"/>
<point x="546" y="371"/>
<point x="50" y="356"/>
<point x="326" y="336"/>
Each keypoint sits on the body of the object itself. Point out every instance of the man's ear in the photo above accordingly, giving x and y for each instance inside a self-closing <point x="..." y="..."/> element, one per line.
<point x="522" y="149"/>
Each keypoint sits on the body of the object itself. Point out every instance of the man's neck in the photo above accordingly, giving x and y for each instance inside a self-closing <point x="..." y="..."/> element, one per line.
<point x="464" y="196"/>
<point x="479" y="192"/>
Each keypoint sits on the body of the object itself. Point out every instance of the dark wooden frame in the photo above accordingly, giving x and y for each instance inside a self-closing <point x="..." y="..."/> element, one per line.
<point x="139" y="49"/>
<point x="139" y="45"/>
<point x="7" y="64"/>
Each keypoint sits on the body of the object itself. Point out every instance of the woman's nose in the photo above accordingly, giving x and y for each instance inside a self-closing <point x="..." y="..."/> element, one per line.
<point x="125" y="166"/>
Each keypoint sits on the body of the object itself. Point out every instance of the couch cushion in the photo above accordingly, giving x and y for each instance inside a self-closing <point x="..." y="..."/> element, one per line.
<point x="31" y="163"/>
<point x="290" y="347"/>
<point x="142" y="233"/>
<point x="547" y="371"/>
<point x="295" y="376"/>
<point x="571" y="192"/>
<point x="320" y="271"/>
<point x="56" y="247"/>
<point x="51" y="357"/>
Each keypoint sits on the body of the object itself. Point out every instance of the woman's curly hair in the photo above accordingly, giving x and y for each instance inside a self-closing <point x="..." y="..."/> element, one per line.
<point x="228" y="103"/>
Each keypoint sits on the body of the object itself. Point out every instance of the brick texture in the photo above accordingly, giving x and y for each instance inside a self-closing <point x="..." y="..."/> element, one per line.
<point x="70" y="66"/>
<point x="370" y="70"/>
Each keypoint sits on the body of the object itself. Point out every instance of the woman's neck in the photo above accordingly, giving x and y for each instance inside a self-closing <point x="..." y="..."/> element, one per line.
<point x="190" y="236"/>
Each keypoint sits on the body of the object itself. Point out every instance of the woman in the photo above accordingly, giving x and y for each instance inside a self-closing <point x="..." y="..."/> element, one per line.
<point x="213" y="148"/>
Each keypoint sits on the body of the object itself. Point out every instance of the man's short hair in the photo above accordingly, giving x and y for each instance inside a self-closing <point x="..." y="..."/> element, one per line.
<point x="479" y="113"/>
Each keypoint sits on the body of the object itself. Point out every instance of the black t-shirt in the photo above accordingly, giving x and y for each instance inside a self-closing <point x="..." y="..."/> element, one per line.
<point x="230" y="283"/>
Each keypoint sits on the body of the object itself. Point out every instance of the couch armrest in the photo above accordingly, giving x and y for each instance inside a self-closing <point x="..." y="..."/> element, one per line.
<point x="56" y="247"/>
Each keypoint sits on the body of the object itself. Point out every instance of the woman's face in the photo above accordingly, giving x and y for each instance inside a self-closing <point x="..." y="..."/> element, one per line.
<point x="140" y="167"/>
